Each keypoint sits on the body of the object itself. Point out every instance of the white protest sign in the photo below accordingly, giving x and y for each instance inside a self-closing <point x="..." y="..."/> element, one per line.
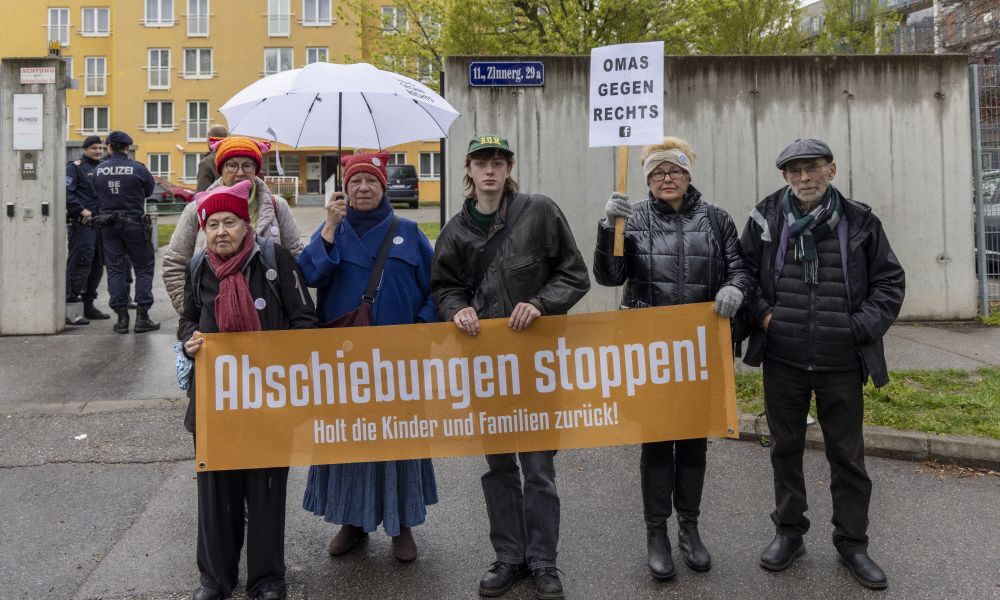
<point x="626" y="94"/>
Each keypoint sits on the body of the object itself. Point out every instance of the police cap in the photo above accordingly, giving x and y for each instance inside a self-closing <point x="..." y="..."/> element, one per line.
<point x="119" y="137"/>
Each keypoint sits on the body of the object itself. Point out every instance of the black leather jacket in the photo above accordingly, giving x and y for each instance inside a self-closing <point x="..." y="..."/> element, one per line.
<point x="672" y="257"/>
<point x="537" y="263"/>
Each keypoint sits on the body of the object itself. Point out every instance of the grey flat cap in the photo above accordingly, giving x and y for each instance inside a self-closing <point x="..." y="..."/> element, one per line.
<point x="803" y="148"/>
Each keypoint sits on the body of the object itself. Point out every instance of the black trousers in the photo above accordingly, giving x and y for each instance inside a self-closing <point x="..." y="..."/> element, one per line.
<point x="840" y="409"/>
<point x="84" y="262"/>
<point x="673" y="469"/>
<point x="122" y="245"/>
<point x="221" y="499"/>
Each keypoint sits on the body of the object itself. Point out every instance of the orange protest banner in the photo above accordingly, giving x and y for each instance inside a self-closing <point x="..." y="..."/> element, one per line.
<point x="323" y="396"/>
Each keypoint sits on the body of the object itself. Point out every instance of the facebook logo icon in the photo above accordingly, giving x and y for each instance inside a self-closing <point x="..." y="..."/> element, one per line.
<point x="624" y="131"/>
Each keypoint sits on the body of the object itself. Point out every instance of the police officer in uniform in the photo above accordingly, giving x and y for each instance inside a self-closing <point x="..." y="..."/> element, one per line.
<point x="84" y="264"/>
<point x="122" y="188"/>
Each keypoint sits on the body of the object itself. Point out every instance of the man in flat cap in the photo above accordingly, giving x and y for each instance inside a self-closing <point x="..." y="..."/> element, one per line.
<point x="828" y="288"/>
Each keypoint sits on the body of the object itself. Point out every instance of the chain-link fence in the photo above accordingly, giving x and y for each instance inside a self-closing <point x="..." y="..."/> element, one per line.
<point x="985" y="83"/>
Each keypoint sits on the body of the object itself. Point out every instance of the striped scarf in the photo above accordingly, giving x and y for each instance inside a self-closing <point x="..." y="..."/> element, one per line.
<point x="805" y="229"/>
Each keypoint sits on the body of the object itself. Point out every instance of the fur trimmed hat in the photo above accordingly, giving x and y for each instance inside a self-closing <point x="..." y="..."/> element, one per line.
<point x="236" y="145"/>
<point x="232" y="199"/>
<point x="373" y="163"/>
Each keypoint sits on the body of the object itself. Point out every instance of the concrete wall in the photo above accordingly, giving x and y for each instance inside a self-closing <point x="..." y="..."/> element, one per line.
<point x="898" y="126"/>
<point x="33" y="246"/>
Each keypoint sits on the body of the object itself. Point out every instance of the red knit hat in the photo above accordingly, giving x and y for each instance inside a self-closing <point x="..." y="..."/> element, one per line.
<point x="233" y="146"/>
<point x="224" y="199"/>
<point x="368" y="162"/>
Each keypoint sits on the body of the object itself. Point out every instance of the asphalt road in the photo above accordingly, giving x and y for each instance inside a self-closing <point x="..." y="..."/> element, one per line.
<point x="112" y="516"/>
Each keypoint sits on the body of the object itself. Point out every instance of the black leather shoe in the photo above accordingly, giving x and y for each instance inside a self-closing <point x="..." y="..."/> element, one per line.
<point x="695" y="553"/>
<point x="659" y="561"/>
<point x="782" y="552"/>
<point x="143" y="323"/>
<point x="547" y="584"/>
<point x="272" y="590"/>
<point x="122" y="325"/>
<point x="864" y="569"/>
<point x="207" y="593"/>
<point x="499" y="577"/>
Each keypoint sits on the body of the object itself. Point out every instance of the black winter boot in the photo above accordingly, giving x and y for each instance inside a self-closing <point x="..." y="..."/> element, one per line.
<point x="143" y="323"/>
<point x="122" y="325"/>
<point x="92" y="312"/>
<point x="688" y="484"/>
<point x="657" y="483"/>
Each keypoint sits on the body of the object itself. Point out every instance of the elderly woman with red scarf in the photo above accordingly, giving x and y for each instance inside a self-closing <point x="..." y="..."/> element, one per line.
<point x="241" y="283"/>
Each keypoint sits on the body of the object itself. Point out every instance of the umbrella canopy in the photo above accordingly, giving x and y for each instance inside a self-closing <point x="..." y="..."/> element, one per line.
<point x="326" y="104"/>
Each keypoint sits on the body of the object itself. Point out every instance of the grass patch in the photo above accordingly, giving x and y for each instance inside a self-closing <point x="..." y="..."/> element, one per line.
<point x="945" y="401"/>
<point x="431" y="230"/>
<point x="993" y="319"/>
<point x="163" y="233"/>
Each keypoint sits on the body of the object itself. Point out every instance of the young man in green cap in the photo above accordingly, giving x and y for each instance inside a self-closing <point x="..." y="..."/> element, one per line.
<point x="510" y="255"/>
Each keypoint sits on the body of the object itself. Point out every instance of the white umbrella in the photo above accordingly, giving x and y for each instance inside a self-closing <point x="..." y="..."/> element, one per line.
<point x="326" y="104"/>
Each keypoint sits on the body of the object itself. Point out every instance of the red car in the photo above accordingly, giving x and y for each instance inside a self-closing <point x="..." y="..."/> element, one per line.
<point x="165" y="191"/>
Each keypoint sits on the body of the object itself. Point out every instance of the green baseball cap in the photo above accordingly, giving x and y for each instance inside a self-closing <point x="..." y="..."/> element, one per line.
<point x="485" y="141"/>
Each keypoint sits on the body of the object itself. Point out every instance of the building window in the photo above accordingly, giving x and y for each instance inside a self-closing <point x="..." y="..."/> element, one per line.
<point x="279" y="18"/>
<point x="59" y="25"/>
<point x="289" y="164"/>
<point x="158" y="69"/>
<point x="159" y="13"/>
<point x="159" y="165"/>
<point x="431" y="26"/>
<point x="425" y="70"/>
<point x="314" y="55"/>
<point x="95" y="76"/>
<point x="160" y="116"/>
<point x="198" y="63"/>
<point x="94" y="120"/>
<point x="393" y="19"/>
<point x="69" y="66"/>
<point x="191" y="160"/>
<point x="197" y="18"/>
<point x="397" y="64"/>
<point x="277" y="60"/>
<point x="96" y="22"/>
<point x="430" y="165"/>
<point x="397" y="158"/>
<point x="316" y="13"/>
<point x="197" y="121"/>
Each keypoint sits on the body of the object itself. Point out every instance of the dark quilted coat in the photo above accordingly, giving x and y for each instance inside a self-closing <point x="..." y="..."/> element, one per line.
<point x="672" y="257"/>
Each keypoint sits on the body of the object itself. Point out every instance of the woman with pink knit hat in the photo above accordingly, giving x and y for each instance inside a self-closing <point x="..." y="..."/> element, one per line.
<point x="240" y="282"/>
<point x="338" y="261"/>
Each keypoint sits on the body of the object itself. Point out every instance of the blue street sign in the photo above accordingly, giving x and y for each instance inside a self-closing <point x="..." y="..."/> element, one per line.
<point x="506" y="74"/>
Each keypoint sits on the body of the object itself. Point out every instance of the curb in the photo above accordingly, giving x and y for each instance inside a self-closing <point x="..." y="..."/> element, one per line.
<point x="887" y="442"/>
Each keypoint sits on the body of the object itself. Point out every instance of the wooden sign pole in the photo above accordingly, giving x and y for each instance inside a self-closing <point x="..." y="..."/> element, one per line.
<point x="621" y="186"/>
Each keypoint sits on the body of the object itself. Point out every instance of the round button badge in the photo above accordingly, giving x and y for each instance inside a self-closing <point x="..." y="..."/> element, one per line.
<point x="274" y="230"/>
<point x="260" y="303"/>
<point x="271" y="274"/>
<point x="398" y="240"/>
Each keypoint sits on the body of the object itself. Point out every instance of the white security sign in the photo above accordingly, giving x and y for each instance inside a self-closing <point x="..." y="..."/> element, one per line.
<point x="28" y="122"/>
<point x="626" y="95"/>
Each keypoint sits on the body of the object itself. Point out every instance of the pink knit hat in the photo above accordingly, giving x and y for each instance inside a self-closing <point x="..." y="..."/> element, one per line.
<point x="232" y="199"/>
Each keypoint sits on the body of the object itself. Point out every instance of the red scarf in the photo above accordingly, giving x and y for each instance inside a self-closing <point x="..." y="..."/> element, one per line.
<point x="234" y="307"/>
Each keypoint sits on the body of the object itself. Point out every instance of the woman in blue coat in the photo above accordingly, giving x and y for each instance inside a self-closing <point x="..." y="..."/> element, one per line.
<point x="338" y="262"/>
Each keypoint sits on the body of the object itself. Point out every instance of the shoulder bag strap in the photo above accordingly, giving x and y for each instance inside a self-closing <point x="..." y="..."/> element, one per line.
<point x="375" y="279"/>
<point x="489" y="251"/>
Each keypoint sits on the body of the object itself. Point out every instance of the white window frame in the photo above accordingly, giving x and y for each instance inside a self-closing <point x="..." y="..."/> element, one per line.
<point x="97" y="31"/>
<point x="194" y="17"/>
<point x="58" y="26"/>
<point x="432" y="174"/>
<point x="159" y="126"/>
<point x="317" y="20"/>
<point x="397" y="158"/>
<point x="154" y="160"/>
<point x="96" y="111"/>
<point x="279" y="22"/>
<point x="312" y="53"/>
<point x="69" y="66"/>
<point x="198" y="74"/>
<point x="423" y="64"/>
<point x="195" y="122"/>
<point x="280" y="52"/>
<point x="392" y="23"/>
<point x="191" y="176"/>
<point x="158" y="68"/>
<point x="95" y="84"/>
<point x="160" y="19"/>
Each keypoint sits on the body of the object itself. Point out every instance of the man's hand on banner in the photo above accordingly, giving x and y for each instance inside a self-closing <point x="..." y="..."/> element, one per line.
<point x="524" y="313"/>
<point x="467" y="320"/>
<point x="194" y="343"/>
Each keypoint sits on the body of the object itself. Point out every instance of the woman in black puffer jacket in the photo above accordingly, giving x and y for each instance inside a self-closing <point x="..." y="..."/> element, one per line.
<point x="679" y="249"/>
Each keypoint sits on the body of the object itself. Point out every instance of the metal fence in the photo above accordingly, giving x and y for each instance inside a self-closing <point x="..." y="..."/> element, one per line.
<point x="286" y="187"/>
<point x="985" y="95"/>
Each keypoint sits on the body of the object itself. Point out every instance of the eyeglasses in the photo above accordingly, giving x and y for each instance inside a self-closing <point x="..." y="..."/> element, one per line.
<point x="810" y="170"/>
<point x="236" y="167"/>
<point x="661" y="175"/>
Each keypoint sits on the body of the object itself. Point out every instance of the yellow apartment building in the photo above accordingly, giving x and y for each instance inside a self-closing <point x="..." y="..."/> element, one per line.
<point x="160" y="70"/>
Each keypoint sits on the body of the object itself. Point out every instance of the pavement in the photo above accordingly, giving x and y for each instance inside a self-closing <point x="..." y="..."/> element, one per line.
<point x="98" y="495"/>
